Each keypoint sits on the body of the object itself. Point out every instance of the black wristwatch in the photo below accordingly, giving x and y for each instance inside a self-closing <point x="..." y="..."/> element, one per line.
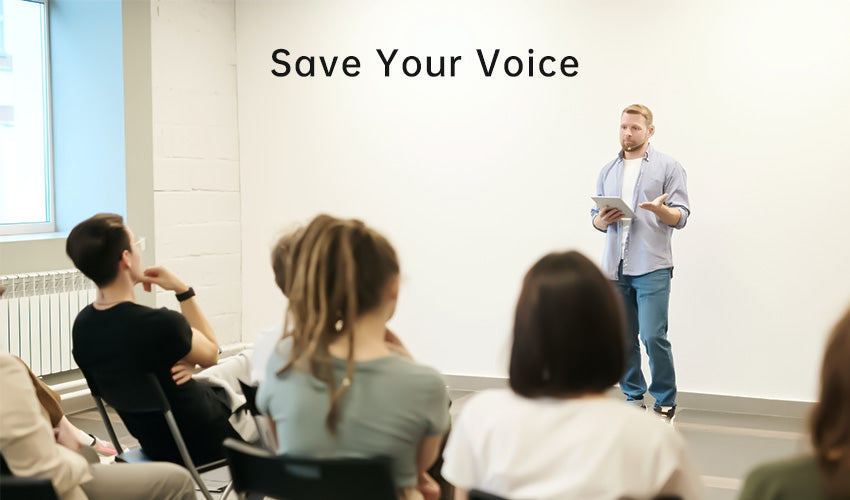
<point x="188" y="294"/>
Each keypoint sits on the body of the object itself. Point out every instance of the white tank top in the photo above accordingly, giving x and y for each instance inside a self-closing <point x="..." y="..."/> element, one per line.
<point x="631" y="169"/>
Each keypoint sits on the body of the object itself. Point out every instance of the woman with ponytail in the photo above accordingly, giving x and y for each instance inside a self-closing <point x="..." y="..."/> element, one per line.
<point x="333" y="386"/>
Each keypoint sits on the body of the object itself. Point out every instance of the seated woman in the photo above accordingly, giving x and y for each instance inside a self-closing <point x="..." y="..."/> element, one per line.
<point x="554" y="434"/>
<point x="31" y="448"/>
<point x="826" y="473"/>
<point x="333" y="386"/>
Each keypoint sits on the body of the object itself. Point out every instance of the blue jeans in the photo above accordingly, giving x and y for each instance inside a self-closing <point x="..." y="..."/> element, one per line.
<point x="646" y="299"/>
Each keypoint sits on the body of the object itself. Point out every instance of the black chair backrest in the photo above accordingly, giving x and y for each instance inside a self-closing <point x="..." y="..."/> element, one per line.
<point x="26" y="488"/>
<point x="129" y="391"/>
<point x="255" y="470"/>
<point x="250" y="392"/>
<point x="483" y="495"/>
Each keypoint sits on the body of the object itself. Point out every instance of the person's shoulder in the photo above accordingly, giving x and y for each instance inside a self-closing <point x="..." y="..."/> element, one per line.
<point x="279" y="356"/>
<point x="413" y="370"/>
<point x="608" y="166"/>
<point x="789" y="477"/>
<point x="15" y="377"/>
<point x="486" y="401"/>
<point x="85" y="315"/>
<point x="659" y="157"/>
<point x="161" y="315"/>
<point x="639" y="421"/>
<point x="9" y="363"/>
<point x="790" y="469"/>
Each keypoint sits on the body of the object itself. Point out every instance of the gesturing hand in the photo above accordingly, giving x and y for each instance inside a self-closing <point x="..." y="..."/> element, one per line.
<point x="656" y="204"/>
<point x="159" y="275"/>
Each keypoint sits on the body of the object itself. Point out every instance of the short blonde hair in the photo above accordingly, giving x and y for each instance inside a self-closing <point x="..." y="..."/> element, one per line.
<point x="640" y="109"/>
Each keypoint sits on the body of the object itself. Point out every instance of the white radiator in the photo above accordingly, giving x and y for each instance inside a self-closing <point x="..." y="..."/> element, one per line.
<point x="37" y="313"/>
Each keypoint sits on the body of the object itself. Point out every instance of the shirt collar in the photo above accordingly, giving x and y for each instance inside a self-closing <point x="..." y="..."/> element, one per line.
<point x="649" y="151"/>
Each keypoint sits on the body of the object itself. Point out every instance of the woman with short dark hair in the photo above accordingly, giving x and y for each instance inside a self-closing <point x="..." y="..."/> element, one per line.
<point x="555" y="434"/>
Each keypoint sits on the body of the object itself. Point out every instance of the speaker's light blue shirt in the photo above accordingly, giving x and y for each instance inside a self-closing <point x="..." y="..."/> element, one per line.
<point x="648" y="245"/>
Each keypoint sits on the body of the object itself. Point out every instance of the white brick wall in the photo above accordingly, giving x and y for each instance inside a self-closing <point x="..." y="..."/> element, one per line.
<point x="196" y="155"/>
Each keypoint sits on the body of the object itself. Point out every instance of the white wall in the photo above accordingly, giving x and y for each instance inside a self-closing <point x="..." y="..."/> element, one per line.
<point x="474" y="178"/>
<point x="196" y="155"/>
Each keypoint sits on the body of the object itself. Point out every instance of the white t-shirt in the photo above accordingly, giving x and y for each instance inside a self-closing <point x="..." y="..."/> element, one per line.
<point x="545" y="448"/>
<point x="263" y="347"/>
<point x="631" y="169"/>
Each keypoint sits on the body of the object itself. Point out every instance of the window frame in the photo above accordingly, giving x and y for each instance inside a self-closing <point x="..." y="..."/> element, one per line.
<point x="48" y="226"/>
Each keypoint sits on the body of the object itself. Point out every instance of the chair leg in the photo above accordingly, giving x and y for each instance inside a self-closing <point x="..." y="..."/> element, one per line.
<point x="108" y="424"/>
<point x="184" y="454"/>
<point x="226" y="491"/>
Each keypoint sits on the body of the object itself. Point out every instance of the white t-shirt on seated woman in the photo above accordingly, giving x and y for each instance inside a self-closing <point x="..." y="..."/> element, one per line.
<point x="546" y="448"/>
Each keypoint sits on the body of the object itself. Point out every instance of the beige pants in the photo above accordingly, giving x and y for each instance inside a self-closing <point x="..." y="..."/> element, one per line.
<point x="410" y="494"/>
<point x="148" y="481"/>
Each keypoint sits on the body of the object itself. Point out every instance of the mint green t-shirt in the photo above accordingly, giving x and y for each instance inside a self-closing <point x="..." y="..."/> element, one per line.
<point x="391" y="405"/>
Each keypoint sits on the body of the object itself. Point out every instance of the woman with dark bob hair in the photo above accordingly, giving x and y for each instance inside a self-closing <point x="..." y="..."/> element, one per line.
<point x="825" y="474"/>
<point x="554" y="434"/>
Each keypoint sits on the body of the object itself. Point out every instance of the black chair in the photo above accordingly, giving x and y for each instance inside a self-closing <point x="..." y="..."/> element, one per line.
<point x="483" y="495"/>
<point x="26" y="488"/>
<point x="23" y="488"/>
<point x="258" y="471"/>
<point x="265" y="427"/>
<point x="142" y="394"/>
<point x="250" y="392"/>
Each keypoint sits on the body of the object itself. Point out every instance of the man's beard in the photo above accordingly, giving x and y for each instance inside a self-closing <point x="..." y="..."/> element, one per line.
<point x="633" y="146"/>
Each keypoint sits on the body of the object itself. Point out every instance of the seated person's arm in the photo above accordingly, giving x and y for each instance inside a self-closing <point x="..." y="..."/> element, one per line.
<point x="461" y="494"/>
<point x="203" y="351"/>
<point x="26" y="438"/>
<point x="429" y="450"/>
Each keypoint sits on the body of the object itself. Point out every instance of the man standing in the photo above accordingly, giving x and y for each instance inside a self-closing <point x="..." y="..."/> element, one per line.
<point x="638" y="255"/>
<point x="115" y="335"/>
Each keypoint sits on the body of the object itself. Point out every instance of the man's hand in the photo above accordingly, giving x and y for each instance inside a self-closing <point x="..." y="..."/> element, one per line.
<point x="656" y="205"/>
<point x="607" y="215"/>
<point x="668" y="215"/>
<point x="159" y="275"/>
<point x="182" y="372"/>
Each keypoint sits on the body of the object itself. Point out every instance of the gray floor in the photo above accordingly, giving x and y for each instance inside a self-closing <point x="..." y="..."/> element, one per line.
<point x="725" y="445"/>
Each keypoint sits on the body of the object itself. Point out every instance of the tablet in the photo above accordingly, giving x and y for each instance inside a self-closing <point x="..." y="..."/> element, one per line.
<point x="615" y="202"/>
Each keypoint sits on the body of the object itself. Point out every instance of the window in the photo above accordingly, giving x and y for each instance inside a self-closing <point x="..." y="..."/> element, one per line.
<point x="26" y="190"/>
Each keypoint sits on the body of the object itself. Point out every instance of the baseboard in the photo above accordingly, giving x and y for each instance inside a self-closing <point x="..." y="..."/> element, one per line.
<point x="461" y="384"/>
<point x="76" y="396"/>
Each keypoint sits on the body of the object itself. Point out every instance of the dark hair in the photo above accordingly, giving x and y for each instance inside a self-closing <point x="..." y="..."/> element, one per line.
<point x="830" y="421"/>
<point x="569" y="330"/>
<point x="339" y="271"/>
<point x="96" y="245"/>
